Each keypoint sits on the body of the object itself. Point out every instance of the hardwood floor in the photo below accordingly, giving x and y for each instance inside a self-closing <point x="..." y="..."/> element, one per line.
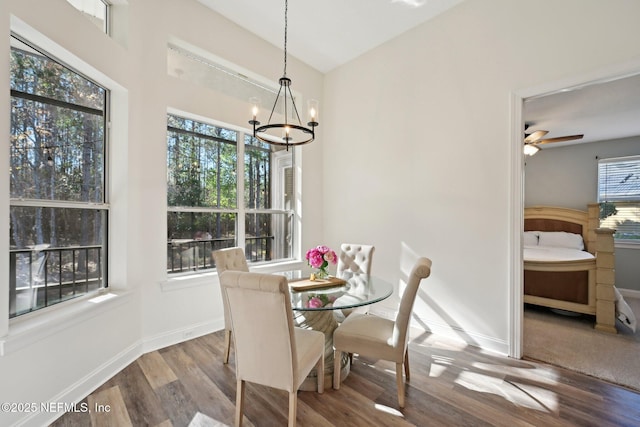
<point x="451" y="385"/>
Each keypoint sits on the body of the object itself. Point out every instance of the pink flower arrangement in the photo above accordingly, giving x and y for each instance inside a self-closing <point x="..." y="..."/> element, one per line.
<point x="319" y="300"/>
<point x="320" y="257"/>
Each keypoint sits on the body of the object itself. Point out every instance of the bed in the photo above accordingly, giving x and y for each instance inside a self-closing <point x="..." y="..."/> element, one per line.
<point x="569" y="263"/>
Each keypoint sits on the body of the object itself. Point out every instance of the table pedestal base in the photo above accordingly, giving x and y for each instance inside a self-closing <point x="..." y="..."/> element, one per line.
<point x="324" y="322"/>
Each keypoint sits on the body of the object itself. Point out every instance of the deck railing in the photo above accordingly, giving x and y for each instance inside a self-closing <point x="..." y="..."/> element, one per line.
<point x="42" y="277"/>
<point x="195" y="254"/>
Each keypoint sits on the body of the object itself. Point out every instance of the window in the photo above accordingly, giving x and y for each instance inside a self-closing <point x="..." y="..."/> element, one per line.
<point x="268" y="200"/>
<point x="209" y="208"/>
<point x="58" y="210"/>
<point x="619" y="196"/>
<point x="96" y="10"/>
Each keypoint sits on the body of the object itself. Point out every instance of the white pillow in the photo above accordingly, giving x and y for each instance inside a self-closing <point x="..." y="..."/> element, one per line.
<point x="624" y="312"/>
<point x="530" y="238"/>
<point x="561" y="239"/>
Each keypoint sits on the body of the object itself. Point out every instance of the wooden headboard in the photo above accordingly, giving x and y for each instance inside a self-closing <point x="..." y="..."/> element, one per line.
<point x="546" y="224"/>
<point x="550" y="218"/>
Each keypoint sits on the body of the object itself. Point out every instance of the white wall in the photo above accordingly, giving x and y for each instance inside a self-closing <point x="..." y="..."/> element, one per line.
<point x="62" y="353"/>
<point x="418" y="144"/>
<point x="413" y="155"/>
<point x="568" y="177"/>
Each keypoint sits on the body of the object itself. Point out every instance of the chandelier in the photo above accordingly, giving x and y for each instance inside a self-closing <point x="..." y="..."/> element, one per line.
<point x="291" y="132"/>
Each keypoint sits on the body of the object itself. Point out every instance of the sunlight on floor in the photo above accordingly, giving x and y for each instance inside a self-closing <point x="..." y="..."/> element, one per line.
<point x="388" y="410"/>
<point x="437" y="370"/>
<point x="439" y="365"/>
<point x="526" y="372"/>
<point x="520" y="394"/>
<point x="103" y="297"/>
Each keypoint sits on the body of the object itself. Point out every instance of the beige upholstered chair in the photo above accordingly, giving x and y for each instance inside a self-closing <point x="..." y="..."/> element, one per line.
<point x="228" y="259"/>
<point x="354" y="262"/>
<point x="269" y="350"/>
<point x="381" y="338"/>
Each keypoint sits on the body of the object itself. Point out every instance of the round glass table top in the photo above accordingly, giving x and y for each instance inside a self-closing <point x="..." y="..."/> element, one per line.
<point x="356" y="292"/>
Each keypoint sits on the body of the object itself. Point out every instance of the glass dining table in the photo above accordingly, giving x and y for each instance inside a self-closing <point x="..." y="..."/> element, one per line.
<point x="320" y="306"/>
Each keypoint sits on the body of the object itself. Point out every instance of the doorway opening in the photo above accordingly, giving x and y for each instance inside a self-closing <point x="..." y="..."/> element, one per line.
<point x="554" y="91"/>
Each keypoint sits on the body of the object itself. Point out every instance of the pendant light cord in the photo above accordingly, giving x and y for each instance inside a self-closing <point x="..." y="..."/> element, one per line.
<point x="286" y="8"/>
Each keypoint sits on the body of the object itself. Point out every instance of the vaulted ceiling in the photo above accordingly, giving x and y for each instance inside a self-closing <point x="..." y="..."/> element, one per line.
<point x="600" y="110"/>
<point x="328" y="33"/>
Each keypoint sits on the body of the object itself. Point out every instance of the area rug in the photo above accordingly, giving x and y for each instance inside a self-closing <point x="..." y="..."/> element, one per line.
<point x="571" y="342"/>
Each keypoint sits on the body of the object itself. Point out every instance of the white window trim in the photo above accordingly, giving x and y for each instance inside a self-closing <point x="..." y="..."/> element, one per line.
<point x="189" y="279"/>
<point x="619" y="243"/>
<point x="28" y="329"/>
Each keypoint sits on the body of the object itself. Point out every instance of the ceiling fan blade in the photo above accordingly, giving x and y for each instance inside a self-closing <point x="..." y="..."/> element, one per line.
<point x="533" y="137"/>
<point x="559" y="139"/>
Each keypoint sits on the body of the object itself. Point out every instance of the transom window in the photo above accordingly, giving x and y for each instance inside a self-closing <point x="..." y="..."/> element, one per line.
<point x="58" y="209"/>
<point x="619" y="196"/>
<point x="210" y="208"/>
<point x="97" y="11"/>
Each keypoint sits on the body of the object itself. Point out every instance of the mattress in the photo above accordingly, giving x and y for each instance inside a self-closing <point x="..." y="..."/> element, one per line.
<point x="554" y="254"/>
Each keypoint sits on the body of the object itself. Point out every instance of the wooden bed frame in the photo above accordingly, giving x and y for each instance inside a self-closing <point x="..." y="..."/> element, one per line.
<point x="587" y="285"/>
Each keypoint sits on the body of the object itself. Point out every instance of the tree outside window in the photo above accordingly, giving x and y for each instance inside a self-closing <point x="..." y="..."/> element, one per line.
<point x="206" y="200"/>
<point x="619" y="196"/>
<point x="58" y="211"/>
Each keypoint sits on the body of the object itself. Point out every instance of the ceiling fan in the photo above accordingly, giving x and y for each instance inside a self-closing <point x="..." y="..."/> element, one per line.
<point x="534" y="139"/>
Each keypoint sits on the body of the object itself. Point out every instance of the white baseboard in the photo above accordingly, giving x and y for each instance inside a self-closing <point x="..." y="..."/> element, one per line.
<point x="440" y="328"/>
<point x="85" y="386"/>
<point x="484" y="342"/>
<point x="179" y="335"/>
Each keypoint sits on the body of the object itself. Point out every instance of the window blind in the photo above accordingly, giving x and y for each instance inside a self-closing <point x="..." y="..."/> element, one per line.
<point x="619" y="196"/>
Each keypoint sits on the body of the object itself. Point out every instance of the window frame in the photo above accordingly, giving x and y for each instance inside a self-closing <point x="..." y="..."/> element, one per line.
<point x="631" y="200"/>
<point x="106" y="26"/>
<point x="103" y="206"/>
<point x="241" y="210"/>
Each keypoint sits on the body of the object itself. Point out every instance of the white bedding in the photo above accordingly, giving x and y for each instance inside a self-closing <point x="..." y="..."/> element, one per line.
<point x="548" y="253"/>
<point x="560" y="246"/>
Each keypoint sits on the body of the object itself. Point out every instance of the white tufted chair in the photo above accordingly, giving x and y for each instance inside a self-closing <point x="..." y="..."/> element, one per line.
<point x="380" y="338"/>
<point x="354" y="262"/>
<point x="269" y="350"/>
<point x="228" y="259"/>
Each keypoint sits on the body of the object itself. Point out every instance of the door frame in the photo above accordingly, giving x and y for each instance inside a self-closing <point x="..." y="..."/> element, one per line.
<point x="516" y="188"/>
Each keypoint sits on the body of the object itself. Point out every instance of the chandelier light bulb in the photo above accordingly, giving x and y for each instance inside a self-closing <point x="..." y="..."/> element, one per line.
<point x="255" y="102"/>
<point x="312" y="105"/>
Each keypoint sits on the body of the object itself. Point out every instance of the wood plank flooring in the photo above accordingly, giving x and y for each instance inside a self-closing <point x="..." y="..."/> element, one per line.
<point x="451" y="385"/>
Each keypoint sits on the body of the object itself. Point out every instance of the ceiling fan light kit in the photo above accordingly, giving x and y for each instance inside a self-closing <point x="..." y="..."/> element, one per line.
<point x="532" y="140"/>
<point x="530" y="149"/>
<point x="288" y="134"/>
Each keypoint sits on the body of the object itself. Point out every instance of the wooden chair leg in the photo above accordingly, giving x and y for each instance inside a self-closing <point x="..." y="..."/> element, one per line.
<point x="400" y="384"/>
<point x="320" y="373"/>
<point x="293" y="406"/>
<point x="239" y="402"/>
<point x="406" y="365"/>
<point x="227" y="345"/>
<point x="337" y="355"/>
